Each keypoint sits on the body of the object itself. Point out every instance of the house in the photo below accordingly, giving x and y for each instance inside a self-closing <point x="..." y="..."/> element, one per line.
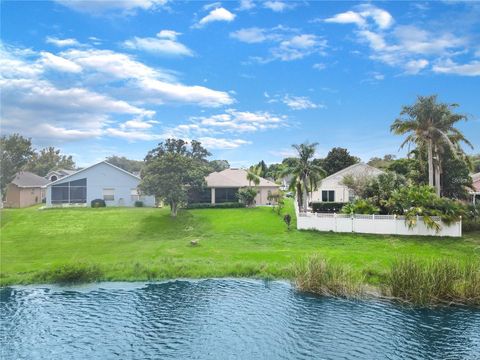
<point x="100" y="181"/>
<point x="26" y="189"/>
<point x="223" y="187"/>
<point x="475" y="192"/>
<point x="54" y="175"/>
<point x="331" y="188"/>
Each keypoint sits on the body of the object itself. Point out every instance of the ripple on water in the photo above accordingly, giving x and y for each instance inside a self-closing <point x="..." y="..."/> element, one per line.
<point x="223" y="319"/>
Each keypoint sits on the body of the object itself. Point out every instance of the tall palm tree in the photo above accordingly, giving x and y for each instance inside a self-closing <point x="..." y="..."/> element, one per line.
<point x="251" y="176"/>
<point x="430" y="125"/>
<point x="306" y="174"/>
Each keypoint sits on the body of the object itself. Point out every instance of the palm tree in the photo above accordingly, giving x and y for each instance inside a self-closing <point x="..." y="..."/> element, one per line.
<point x="431" y="125"/>
<point x="251" y="176"/>
<point x="306" y="174"/>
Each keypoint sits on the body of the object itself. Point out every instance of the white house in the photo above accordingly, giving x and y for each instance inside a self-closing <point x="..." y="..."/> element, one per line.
<point x="331" y="188"/>
<point x="100" y="181"/>
<point x="54" y="175"/>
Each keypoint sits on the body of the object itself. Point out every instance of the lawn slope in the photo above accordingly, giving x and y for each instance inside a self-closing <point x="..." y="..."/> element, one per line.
<point x="143" y="243"/>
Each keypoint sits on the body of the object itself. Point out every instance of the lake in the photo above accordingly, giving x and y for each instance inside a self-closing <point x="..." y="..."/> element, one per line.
<point x="223" y="319"/>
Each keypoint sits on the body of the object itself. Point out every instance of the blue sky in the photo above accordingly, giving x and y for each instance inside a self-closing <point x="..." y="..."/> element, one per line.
<point x="247" y="78"/>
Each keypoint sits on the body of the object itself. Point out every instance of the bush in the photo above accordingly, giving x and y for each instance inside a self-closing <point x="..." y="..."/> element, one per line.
<point x="226" y="205"/>
<point x="247" y="196"/>
<point x="98" y="203"/>
<point x="327" y="207"/>
<point x="138" y="203"/>
<point x="360" y="206"/>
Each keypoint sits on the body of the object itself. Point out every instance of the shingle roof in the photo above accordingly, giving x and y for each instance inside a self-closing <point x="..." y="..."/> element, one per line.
<point x="234" y="178"/>
<point x="28" y="179"/>
<point x="476" y="181"/>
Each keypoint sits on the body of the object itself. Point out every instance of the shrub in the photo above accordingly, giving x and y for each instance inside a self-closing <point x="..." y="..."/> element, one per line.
<point x="98" y="203"/>
<point x="318" y="276"/>
<point x="471" y="221"/>
<point x="71" y="273"/>
<point x="360" y="206"/>
<point x="327" y="207"/>
<point x="247" y="196"/>
<point x="227" y="205"/>
<point x="421" y="200"/>
<point x="138" y="203"/>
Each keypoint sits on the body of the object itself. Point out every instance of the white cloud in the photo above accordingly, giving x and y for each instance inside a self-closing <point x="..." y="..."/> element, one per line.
<point x="415" y="66"/>
<point x="319" y="66"/>
<point x="450" y="67"/>
<point x="146" y="84"/>
<point x="380" y="17"/>
<point x="299" y="46"/>
<point x="35" y="105"/>
<point x="278" y="6"/>
<point x="98" y="7"/>
<point x="221" y="143"/>
<point x="289" y="43"/>
<point x="251" y="35"/>
<point x="164" y="44"/>
<point x="349" y="17"/>
<point x="59" y="63"/>
<point x="61" y="42"/>
<point x="408" y="47"/>
<point x="246" y="5"/>
<point x="300" y="103"/>
<point x="217" y="14"/>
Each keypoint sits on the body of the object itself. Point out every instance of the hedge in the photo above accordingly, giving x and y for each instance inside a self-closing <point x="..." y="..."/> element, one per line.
<point x="227" y="205"/>
<point x="327" y="207"/>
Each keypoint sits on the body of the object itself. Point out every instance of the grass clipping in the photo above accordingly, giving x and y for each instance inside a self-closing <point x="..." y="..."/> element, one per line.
<point x="317" y="275"/>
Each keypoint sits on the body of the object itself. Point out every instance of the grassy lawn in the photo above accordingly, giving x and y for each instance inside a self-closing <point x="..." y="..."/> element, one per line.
<point x="143" y="243"/>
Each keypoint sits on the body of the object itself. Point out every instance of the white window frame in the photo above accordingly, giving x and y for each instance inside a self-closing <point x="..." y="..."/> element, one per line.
<point x="134" y="194"/>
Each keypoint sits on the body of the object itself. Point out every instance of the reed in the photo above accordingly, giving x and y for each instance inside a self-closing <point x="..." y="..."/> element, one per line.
<point x="319" y="276"/>
<point x="71" y="274"/>
<point x="436" y="281"/>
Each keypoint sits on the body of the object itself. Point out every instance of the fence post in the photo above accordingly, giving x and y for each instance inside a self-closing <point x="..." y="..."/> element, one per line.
<point x="353" y="222"/>
<point x="335" y="221"/>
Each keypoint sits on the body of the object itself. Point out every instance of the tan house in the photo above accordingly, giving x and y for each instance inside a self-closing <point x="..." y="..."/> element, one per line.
<point x="223" y="187"/>
<point x="26" y="189"/>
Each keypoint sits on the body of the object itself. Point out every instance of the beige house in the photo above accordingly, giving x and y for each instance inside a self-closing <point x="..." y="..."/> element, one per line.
<point x="223" y="187"/>
<point x="26" y="189"/>
<point x="332" y="189"/>
<point x="475" y="192"/>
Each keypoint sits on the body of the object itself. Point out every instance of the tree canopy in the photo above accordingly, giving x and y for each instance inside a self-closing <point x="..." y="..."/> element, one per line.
<point x="49" y="159"/>
<point x="132" y="166"/>
<point x="15" y="152"/>
<point x="337" y="159"/>
<point x="172" y="169"/>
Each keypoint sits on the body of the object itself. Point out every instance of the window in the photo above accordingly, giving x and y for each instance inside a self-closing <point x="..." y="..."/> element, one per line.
<point x="109" y="194"/>
<point x="134" y="196"/>
<point x="223" y="195"/>
<point x="328" y="195"/>
<point x="70" y="192"/>
<point x="53" y="178"/>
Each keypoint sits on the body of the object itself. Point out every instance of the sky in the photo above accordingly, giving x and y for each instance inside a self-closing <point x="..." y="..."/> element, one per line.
<point x="248" y="79"/>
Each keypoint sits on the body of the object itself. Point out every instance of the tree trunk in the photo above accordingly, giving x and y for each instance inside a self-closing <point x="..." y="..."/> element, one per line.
<point x="299" y="195"/>
<point x="173" y="209"/>
<point x="438" y="173"/>
<point x="305" y="195"/>
<point x="430" y="162"/>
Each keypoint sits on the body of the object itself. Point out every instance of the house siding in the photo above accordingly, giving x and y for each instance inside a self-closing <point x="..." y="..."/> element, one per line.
<point x="104" y="176"/>
<point x="19" y="197"/>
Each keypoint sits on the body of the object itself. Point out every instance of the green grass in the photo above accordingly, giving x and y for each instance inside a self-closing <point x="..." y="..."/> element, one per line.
<point x="144" y="243"/>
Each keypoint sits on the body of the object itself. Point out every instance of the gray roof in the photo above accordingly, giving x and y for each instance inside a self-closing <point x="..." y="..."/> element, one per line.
<point x="234" y="178"/>
<point x="28" y="179"/>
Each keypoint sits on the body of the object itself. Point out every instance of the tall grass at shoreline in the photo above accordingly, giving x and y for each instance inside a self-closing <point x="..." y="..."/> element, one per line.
<point x="319" y="276"/>
<point x="435" y="281"/>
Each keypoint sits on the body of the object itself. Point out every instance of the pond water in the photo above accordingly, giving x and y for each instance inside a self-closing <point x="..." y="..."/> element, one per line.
<point x="223" y="319"/>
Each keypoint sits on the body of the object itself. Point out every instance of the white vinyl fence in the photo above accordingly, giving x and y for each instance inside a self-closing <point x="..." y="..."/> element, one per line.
<point x="372" y="224"/>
